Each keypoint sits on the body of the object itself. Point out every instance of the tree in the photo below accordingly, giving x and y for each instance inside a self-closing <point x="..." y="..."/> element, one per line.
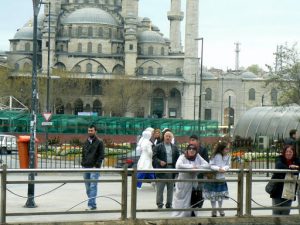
<point x="285" y="74"/>
<point x="255" y="69"/>
<point x="123" y="95"/>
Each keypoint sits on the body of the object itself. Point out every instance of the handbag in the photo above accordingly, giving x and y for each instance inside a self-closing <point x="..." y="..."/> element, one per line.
<point x="289" y="187"/>
<point x="270" y="187"/>
<point x="196" y="198"/>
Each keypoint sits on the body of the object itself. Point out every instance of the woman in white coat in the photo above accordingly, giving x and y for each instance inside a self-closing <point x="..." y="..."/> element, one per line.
<point x="145" y="161"/>
<point x="183" y="190"/>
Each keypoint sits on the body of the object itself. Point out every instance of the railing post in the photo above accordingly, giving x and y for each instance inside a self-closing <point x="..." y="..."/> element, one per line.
<point x="133" y="193"/>
<point x="240" y="196"/>
<point x="124" y="193"/>
<point x="3" y="193"/>
<point x="249" y="191"/>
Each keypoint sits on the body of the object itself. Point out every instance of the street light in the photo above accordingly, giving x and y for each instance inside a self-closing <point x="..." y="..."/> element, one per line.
<point x="200" y="86"/>
<point x="30" y="194"/>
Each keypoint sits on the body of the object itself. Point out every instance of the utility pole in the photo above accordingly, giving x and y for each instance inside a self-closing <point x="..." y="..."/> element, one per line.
<point x="229" y="114"/>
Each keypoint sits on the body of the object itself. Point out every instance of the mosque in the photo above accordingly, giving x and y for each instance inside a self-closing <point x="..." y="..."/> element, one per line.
<point x="102" y="39"/>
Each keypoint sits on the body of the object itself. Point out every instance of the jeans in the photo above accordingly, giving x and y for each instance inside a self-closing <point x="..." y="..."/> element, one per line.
<point x="144" y="176"/>
<point x="283" y="203"/>
<point x="91" y="188"/>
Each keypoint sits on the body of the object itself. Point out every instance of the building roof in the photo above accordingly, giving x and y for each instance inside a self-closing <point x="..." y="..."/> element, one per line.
<point x="150" y="37"/>
<point x="248" y="75"/>
<point x="26" y="33"/>
<point x="268" y="121"/>
<point x="90" y="16"/>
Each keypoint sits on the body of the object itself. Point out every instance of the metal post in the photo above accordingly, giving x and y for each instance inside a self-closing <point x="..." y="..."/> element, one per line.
<point x="124" y="193"/>
<point x="30" y="195"/>
<point x="3" y="194"/>
<point x="133" y="193"/>
<point x="48" y="76"/>
<point x="229" y="107"/>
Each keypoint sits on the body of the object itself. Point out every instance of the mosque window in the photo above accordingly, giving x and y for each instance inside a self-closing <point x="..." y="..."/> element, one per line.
<point x="141" y="71"/>
<point x="150" y="70"/>
<point x="150" y="50"/>
<point x="70" y="31"/>
<point x="61" y="48"/>
<point x="26" y="66"/>
<point x="89" y="68"/>
<point x="100" y="69"/>
<point x="109" y="33"/>
<point x="77" y="69"/>
<point x="139" y="50"/>
<point x="274" y="95"/>
<point x="17" y="66"/>
<point x="27" y="47"/>
<point x="79" y="32"/>
<point x="90" y="31"/>
<point x="79" y="47"/>
<point x="99" y="48"/>
<point x="208" y="94"/>
<point x="178" y="71"/>
<point x="100" y="32"/>
<point x="89" y="47"/>
<point x="159" y="71"/>
<point x="131" y="47"/>
<point x="162" y="51"/>
<point x="14" y="46"/>
<point x="207" y="114"/>
<point x="252" y="94"/>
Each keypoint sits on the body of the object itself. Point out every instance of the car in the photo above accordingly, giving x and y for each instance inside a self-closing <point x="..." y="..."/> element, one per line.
<point x="8" y="143"/>
<point x="130" y="159"/>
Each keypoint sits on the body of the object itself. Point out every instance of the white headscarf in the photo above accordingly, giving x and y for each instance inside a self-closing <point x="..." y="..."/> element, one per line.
<point x="145" y="135"/>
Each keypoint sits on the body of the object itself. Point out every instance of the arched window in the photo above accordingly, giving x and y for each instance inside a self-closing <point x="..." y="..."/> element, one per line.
<point x="79" y="32"/>
<point x="79" y="47"/>
<point x="27" y="47"/>
<point x="99" y="48"/>
<point x="78" y="106"/>
<point x="77" y="69"/>
<point x="274" y="96"/>
<point x="89" y="47"/>
<point x="150" y="70"/>
<point x="100" y="69"/>
<point x="208" y="94"/>
<point x="162" y="51"/>
<point x="178" y="71"/>
<point x="26" y="66"/>
<point x="97" y="107"/>
<point x="141" y="71"/>
<point x="89" y="68"/>
<point x="100" y="32"/>
<point x="252" y="94"/>
<point x="159" y="71"/>
<point x="150" y="50"/>
<point x="17" y="67"/>
<point x="90" y="31"/>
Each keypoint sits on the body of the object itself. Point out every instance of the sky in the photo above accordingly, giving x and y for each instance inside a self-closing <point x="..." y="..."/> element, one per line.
<point x="258" y="25"/>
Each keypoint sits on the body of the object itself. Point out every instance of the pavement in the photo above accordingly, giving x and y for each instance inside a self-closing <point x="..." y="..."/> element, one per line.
<point x="71" y="197"/>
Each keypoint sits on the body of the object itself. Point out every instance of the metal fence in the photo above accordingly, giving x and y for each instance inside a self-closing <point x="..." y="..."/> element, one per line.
<point x="243" y="199"/>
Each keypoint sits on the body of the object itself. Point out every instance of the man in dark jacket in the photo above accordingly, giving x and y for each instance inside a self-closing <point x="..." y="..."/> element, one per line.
<point x="92" y="156"/>
<point x="165" y="155"/>
<point x="197" y="199"/>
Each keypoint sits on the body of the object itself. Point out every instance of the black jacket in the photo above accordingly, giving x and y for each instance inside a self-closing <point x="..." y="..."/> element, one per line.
<point x="92" y="153"/>
<point x="160" y="154"/>
<point x="280" y="164"/>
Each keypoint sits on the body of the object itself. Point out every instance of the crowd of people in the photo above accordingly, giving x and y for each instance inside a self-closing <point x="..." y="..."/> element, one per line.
<point x="158" y="150"/>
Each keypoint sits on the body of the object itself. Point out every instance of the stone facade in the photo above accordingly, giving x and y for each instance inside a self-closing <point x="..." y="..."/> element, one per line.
<point x="102" y="39"/>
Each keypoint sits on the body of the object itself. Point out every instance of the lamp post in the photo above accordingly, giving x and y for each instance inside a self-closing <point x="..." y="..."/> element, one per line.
<point x="200" y="86"/>
<point x="30" y="194"/>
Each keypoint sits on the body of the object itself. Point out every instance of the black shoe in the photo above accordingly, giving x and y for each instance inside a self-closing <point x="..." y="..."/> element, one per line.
<point x="91" y="208"/>
<point x="159" y="206"/>
<point x="168" y="207"/>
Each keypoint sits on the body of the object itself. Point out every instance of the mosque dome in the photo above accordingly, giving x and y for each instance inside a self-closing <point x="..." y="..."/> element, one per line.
<point x="207" y="75"/>
<point x="90" y="16"/>
<point x="150" y="37"/>
<point x="26" y="33"/>
<point x="248" y="75"/>
<point x="40" y="22"/>
<point x="230" y="75"/>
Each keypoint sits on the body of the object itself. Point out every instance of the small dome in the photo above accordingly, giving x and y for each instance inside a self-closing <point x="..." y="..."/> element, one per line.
<point x="230" y="75"/>
<point x="146" y="19"/>
<point x="248" y="75"/>
<point x="26" y="33"/>
<point x="90" y="15"/>
<point x="150" y="37"/>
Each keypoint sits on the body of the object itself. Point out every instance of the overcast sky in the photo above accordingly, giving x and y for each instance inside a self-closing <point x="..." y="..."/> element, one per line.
<point x="259" y="25"/>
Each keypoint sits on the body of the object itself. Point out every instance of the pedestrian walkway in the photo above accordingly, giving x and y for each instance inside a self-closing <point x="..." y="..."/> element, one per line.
<point x="71" y="197"/>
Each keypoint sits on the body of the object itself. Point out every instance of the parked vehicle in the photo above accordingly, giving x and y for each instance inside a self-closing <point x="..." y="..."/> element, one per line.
<point x="8" y="143"/>
<point x="130" y="159"/>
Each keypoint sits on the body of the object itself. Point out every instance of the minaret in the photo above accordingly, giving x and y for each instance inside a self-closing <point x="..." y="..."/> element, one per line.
<point x="175" y="16"/>
<point x="237" y="55"/>
<point x="130" y="14"/>
<point x="46" y="31"/>
<point x="191" y="60"/>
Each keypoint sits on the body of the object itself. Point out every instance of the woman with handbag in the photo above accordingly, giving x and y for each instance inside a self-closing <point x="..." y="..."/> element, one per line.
<point x="190" y="159"/>
<point x="217" y="191"/>
<point x="287" y="160"/>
